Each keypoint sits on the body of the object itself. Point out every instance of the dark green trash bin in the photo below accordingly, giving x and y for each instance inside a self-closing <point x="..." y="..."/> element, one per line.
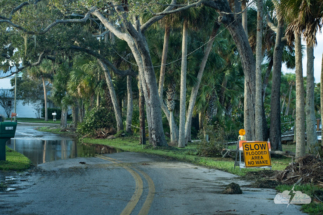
<point x="7" y="131"/>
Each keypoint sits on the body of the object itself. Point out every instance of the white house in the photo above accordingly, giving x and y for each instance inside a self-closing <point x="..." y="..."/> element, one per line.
<point x="28" y="110"/>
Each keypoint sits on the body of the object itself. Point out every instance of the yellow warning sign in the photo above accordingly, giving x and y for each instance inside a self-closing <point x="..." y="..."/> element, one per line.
<point x="256" y="154"/>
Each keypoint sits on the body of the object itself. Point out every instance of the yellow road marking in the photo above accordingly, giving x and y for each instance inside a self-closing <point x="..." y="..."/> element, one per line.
<point x="151" y="190"/>
<point x="138" y="191"/>
<point x="151" y="193"/>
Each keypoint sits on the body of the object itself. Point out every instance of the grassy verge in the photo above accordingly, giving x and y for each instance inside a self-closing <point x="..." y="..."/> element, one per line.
<point x="55" y="130"/>
<point x="14" y="161"/>
<point x="33" y="120"/>
<point x="314" y="207"/>
<point x="188" y="154"/>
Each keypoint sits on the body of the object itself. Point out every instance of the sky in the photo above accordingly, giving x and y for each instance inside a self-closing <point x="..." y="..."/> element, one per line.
<point x="318" y="51"/>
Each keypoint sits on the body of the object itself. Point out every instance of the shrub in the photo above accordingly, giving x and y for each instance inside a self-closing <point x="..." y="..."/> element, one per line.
<point x="98" y="117"/>
<point x="213" y="146"/>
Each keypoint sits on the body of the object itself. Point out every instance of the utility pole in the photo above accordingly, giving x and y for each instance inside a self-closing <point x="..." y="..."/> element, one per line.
<point x="15" y="97"/>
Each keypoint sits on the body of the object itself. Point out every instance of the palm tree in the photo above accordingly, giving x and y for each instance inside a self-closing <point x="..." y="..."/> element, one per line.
<point x="42" y="72"/>
<point x="304" y="16"/>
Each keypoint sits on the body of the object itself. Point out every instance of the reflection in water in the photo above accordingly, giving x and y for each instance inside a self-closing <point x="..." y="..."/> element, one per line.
<point x="42" y="151"/>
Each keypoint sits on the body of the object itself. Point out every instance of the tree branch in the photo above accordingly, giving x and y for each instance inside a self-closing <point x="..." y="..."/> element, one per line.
<point x="152" y="20"/>
<point x="86" y="17"/>
<point x="40" y="59"/>
<point x="105" y="61"/>
<point x="196" y="4"/>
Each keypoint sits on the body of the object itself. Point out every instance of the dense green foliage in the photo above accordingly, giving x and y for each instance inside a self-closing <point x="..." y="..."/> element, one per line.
<point x="98" y="117"/>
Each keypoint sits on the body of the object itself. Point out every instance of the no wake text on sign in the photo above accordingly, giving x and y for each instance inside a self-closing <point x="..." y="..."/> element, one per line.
<point x="256" y="154"/>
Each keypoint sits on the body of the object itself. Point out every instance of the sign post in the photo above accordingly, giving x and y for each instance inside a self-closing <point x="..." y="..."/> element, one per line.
<point x="54" y="116"/>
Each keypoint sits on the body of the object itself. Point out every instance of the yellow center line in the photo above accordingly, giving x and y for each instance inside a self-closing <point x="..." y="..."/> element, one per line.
<point x="151" y="191"/>
<point x="138" y="191"/>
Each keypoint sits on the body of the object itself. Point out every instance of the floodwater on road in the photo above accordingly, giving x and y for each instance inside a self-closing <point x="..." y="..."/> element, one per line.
<point x="43" y="147"/>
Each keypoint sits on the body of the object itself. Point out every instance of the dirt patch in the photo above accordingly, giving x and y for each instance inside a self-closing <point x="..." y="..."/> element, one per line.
<point x="265" y="183"/>
<point x="264" y="174"/>
<point x="308" y="169"/>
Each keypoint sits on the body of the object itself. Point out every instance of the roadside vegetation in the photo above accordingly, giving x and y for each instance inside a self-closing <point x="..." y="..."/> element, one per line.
<point x="15" y="161"/>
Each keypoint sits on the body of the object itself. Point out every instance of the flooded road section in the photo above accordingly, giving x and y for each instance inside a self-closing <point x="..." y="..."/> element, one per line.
<point x="42" y="147"/>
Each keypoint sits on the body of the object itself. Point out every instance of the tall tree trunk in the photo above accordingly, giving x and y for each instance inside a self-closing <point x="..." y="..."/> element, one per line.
<point x="199" y="78"/>
<point x="322" y="98"/>
<point x="289" y="99"/>
<point x="171" y="106"/>
<point x="245" y="16"/>
<point x="45" y="99"/>
<point x="310" y="111"/>
<point x="258" y="102"/>
<point x="75" y="114"/>
<point x="181" y="139"/>
<point x="275" y="129"/>
<point x="163" y="63"/>
<point x="300" y="109"/>
<point x="64" y="118"/>
<point x="142" y="114"/>
<point x="200" y="121"/>
<point x="81" y="112"/>
<point x="116" y="108"/>
<point x="283" y="103"/>
<point x="129" y="104"/>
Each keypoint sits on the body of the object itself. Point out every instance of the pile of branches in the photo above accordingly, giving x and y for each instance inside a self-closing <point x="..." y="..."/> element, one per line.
<point x="104" y="132"/>
<point x="308" y="169"/>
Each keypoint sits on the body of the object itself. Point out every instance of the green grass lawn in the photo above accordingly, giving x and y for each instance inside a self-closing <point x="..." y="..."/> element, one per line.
<point x="33" y="120"/>
<point x="188" y="154"/>
<point x="14" y="161"/>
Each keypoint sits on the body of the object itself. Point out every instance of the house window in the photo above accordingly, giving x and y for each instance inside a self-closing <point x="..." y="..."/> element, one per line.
<point x="9" y="103"/>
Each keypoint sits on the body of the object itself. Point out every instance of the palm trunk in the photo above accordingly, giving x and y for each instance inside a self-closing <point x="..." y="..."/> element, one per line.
<point x="171" y="106"/>
<point x="64" y="118"/>
<point x="322" y="99"/>
<point x="283" y="104"/>
<point x="181" y="139"/>
<point x="200" y="121"/>
<point x="129" y="104"/>
<point x="300" y="112"/>
<point x="310" y="111"/>
<point x="266" y="79"/>
<point x="45" y="99"/>
<point x="289" y="99"/>
<point x="199" y="78"/>
<point x="75" y="115"/>
<point x="142" y="114"/>
<point x="275" y="130"/>
<point x="163" y="62"/>
<point x="258" y="103"/>
<point x="116" y="108"/>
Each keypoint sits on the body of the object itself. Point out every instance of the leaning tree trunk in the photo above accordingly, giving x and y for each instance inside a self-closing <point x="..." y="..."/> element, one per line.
<point x="310" y="111"/>
<point x="181" y="139"/>
<point x="116" y="108"/>
<point x="244" y="16"/>
<point x="129" y="105"/>
<point x="300" y="109"/>
<point x="289" y="99"/>
<point x="275" y="131"/>
<point x="234" y="26"/>
<point x="199" y="78"/>
<point x="45" y="99"/>
<point x="258" y="102"/>
<point x="322" y="99"/>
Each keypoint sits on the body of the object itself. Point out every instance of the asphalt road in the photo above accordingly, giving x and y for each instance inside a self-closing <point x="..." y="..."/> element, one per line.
<point x="131" y="183"/>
